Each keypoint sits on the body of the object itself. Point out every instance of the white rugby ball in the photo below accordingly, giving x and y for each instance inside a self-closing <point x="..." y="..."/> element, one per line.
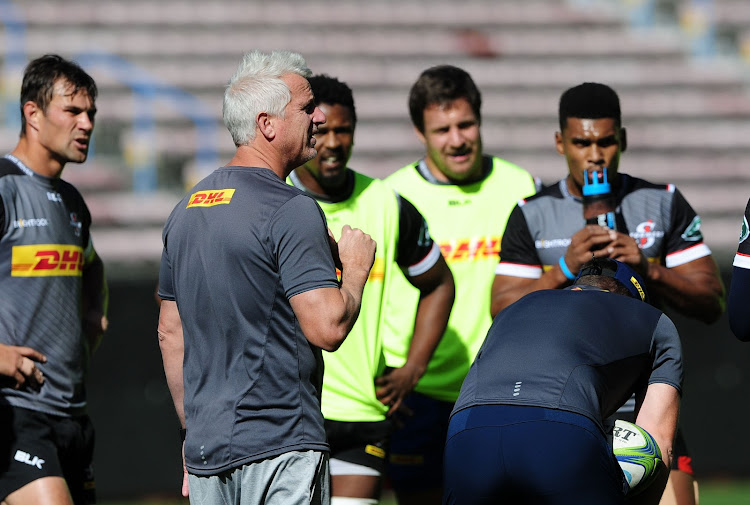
<point x="637" y="453"/>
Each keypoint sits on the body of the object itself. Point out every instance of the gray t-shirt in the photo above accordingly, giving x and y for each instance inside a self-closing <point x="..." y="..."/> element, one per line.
<point x="44" y="243"/>
<point x="583" y="351"/>
<point x="236" y="249"/>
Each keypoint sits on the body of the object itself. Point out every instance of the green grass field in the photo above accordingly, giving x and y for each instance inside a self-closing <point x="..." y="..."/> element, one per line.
<point x="711" y="493"/>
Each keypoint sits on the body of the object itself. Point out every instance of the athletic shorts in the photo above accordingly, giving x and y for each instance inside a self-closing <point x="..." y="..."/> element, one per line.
<point x="517" y="454"/>
<point x="681" y="459"/>
<point x="416" y="459"/>
<point x="291" y="478"/>
<point x="41" y="445"/>
<point x="360" y="443"/>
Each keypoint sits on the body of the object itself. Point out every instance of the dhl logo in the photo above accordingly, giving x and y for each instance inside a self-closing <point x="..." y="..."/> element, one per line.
<point x="471" y="249"/>
<point x="377" y="272"/>
<point x="210" y="197"/>
<point x="47" y="260"/>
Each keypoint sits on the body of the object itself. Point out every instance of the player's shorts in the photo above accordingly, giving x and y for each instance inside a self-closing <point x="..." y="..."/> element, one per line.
<point x="35" y="445"/>
<point x="518" y="454"/>
<point x="681" y="459"/>
<point x="359" y="443"/>
<point x="416" y="459"/>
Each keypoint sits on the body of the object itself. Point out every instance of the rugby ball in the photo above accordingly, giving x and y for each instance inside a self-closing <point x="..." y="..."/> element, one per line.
<point x="637" y="453"/>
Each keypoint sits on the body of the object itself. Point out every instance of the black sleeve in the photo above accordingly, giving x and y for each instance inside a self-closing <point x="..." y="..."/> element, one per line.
<point x="2" y="218"/>
<point x="517" y="245"/>
<point x="738" y="303"/>
<point x="414" y="241"/>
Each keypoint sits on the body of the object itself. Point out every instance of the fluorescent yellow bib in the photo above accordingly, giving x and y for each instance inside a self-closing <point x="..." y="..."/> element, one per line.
<point x="468" y="222"/>
<point x="350" y="372"/>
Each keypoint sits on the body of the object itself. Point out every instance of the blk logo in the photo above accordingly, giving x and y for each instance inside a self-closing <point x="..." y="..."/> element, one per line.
<point x="25" y="457"/>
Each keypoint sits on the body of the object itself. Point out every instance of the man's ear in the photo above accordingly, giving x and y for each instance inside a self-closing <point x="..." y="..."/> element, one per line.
<point x="265" y="125"/>
<point x="559" y="143"/>
<point x="420" y="135"/>
<point x="31" y="112"/>
<point x="623" y="140"/>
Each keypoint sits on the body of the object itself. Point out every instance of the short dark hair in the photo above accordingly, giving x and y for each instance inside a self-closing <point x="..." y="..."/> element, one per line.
<point x="41" y="75"/>
<point x="440" y="85"/>
<point x="330" y="90"/>
<point x="590" y="100"/>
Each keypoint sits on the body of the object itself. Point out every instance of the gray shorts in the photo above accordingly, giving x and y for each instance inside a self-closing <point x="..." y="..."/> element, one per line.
<point x="292" y="478"/>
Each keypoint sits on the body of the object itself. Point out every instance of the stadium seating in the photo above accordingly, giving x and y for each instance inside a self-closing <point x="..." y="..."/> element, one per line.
<point x="688" y="119"/>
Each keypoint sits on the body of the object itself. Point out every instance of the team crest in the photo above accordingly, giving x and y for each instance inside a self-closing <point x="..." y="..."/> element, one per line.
<point x="693" y="231"/>
<point x="75" y="223"/>
<point x="646" y="234"/>
<point x="745" y="231"/>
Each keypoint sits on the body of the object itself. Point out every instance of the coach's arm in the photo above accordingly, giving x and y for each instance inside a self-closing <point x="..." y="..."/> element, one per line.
<point x="172" y="352"/>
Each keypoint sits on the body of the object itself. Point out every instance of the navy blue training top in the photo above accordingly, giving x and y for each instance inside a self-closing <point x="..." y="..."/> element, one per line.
<point x="580" y="350"/>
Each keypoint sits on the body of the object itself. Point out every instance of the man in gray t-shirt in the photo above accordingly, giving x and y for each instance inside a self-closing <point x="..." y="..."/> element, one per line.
<point x="250" y="297"/>
<point x="554" y="365"/>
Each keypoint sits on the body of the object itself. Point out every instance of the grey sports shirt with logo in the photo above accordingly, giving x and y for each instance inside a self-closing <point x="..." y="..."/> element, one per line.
<point x="45" y="240"/>
<point x="578" y="349"/>
<point x="236" y="249"/>
<point x="657" y="216"/>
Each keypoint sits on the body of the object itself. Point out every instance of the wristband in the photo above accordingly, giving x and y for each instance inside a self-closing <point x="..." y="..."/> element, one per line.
<point x="565" y="270"/>
<point x="183" y="432"/>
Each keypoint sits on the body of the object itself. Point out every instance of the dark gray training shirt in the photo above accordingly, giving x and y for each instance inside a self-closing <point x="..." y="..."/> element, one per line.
<point x="44" y="244"/>
<point x="236" y="249"/>
<point x="583" y="351"/>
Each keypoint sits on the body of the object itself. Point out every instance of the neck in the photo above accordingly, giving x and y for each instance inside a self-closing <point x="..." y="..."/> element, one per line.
<point x="337" y="193"/>
<point x="38" y="159"/>
<point x="250" y="156"/>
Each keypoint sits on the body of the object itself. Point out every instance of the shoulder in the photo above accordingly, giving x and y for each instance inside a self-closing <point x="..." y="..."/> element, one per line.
<point x="547" y="194"/>
<point x="7" y="167"/>
<point x="407" y="172"/>
<point x="634" y="185"/>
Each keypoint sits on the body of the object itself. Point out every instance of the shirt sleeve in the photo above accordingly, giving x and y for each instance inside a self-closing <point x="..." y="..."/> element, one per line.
<point x="299" y="237"/>
<point x="738" y="301"/>
<point x="685" y="241"/>
<point x="166" y="290"/>
<point x="667" y="352"/>
<point x="518" y="256"/>
<point x="416" y="251"/>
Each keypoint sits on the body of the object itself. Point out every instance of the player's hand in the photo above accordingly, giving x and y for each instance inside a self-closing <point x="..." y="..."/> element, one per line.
<point x="356" y="250"/>
<point x="624" y="248"/>
<point x="19" y="363"/>
<point x="588" y="243"/>
<point x="395" y="385"/>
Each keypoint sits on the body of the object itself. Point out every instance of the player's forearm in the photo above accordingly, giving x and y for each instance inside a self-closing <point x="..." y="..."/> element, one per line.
<point x="699" y="295"/>
<point x="172" y="348"/>
<point x="95" y="296"/>
<point x="433" y="312"/>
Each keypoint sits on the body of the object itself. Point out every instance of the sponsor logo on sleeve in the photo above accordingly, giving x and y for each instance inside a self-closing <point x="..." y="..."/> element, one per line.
<point x="31" y="223"/>
<point x="745" y="231"/>
<point x="210" y="197"/>
<point x="693" y="231"/>
<point x="47" y="260"/>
